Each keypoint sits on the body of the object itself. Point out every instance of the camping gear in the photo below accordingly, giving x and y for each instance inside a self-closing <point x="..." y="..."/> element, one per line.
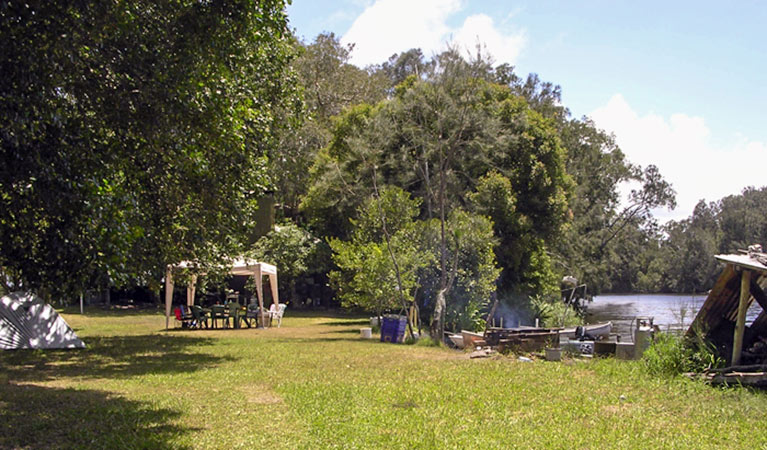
<point x="588" y="332"/>
<point x="624" y="350"/>
<point x="239" y="266"/>
<point x="219" y="312"/>
<point x="26" y="321"/>
<point x="522" y="338"/>
<point x="276" y="312"/>
<point x="234" y="313"/>
<point x="457" y="340"/>
<point x="554" y="354"/>
<point x="200" y="316"/>
<point x="185" y="319"/>
<point x="393" y="328"/>
<point x="252" y="314"/>
<point x="643" y="335"/>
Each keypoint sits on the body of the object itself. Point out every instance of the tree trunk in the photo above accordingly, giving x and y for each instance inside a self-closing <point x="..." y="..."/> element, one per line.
<point x="438" y="318"/>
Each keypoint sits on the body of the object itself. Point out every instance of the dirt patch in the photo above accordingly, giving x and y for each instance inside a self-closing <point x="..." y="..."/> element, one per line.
<point x="260" y="395"/>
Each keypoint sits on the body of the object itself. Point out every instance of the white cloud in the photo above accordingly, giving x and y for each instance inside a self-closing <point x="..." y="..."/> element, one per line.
<point x="480" y="28"/>
<point x="681" y="147"/>
<point x="392" y="26"/>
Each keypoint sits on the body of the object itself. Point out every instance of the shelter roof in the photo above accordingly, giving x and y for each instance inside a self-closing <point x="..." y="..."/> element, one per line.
<point x="239" y="266"/>
<point x="745" y="261"/>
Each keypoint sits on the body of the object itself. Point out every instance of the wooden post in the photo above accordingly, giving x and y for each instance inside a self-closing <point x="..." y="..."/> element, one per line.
<point x="740" y="324"/>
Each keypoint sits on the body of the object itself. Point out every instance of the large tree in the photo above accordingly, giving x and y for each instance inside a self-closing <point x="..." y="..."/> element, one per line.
<point x="438" y="135"/>
<point x="329" y="84"/>
<point x="133" y="133"/>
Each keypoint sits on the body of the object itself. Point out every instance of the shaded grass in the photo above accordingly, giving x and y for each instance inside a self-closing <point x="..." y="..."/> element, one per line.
<point x="314" y="384"/>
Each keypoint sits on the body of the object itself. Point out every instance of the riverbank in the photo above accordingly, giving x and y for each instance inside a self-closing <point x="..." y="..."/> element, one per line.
<point x="315" y="384"/>
<point x="672" y="312"/>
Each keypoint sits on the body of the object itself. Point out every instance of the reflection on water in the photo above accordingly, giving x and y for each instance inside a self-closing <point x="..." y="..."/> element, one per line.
<point x="671" y="312"/>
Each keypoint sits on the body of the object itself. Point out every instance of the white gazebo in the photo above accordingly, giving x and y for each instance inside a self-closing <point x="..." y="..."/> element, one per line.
<point x="240" y="266"/>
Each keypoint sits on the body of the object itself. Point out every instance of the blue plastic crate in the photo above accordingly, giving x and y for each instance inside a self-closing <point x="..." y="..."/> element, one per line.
<point x="393" y="328"/>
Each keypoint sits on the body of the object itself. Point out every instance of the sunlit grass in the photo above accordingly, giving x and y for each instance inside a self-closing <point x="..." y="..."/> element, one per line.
<point x="315" y="384"/>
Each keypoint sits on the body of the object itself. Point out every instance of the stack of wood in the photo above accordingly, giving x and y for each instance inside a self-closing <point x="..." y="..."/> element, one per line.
<point x="750" y="375"/>
<point x="522" y="339"/>
<point x="757" y="353"/>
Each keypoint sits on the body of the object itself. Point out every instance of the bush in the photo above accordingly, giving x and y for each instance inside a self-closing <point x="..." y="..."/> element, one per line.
<point x="670" y="354"/>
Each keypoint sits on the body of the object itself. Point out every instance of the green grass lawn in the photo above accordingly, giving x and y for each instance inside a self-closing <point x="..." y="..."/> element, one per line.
<point x="314" y="384"/>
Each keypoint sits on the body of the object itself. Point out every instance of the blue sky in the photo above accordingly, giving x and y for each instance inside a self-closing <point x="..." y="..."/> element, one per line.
<point x="681" y="84"/>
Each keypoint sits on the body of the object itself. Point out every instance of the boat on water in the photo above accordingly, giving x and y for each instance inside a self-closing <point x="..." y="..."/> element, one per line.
<point x="592" y="331"/>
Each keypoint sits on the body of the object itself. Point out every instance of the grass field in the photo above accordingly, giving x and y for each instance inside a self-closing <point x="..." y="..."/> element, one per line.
<point x="314" y="384"/>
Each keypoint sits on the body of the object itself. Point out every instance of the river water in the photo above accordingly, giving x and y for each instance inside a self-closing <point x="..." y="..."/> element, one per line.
<point x="670" y="312"/>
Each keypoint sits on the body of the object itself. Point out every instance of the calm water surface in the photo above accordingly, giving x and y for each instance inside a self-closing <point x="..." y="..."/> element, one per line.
<point x="671" y="312"/>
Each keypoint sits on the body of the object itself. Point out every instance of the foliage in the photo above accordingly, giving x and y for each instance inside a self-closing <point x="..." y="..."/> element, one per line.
<point x="671" y="354"/>
<point x="553" y="313"/>
<point x="293" y="250"/>
<point x="606" y="246"/>
<point x="680" y="259"/>
<point x="133" y="134"/>
<point x="367" y="275"/>
<point x="446" y="129"/>
<point x="470" y="248"/>
<point x="329" y="85"/>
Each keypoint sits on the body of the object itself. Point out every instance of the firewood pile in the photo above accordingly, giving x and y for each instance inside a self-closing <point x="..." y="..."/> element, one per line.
<point x="522" y="339"/>
<point x="747" y="375"/>
<point x="757" y="353"/>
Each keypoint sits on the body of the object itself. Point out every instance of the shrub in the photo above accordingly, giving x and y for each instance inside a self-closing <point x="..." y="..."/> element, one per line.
<point x="670" y="354"/>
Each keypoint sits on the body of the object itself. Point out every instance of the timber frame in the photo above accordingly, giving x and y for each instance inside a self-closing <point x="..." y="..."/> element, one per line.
<point x="723" y="314"/>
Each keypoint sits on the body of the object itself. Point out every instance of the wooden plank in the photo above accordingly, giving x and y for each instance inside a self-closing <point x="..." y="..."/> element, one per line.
<point x="740" y="324"/>
<point x="759" y="295"/>
<point x="707" y="319"/>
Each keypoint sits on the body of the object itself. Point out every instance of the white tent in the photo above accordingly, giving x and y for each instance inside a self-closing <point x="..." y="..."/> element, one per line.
<point x="26" y="321"/>
<point x="240" y="266"/>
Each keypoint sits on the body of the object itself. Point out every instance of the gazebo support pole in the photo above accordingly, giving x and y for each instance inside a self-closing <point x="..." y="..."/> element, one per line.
<point x="740" y="324"/>
<point x="260" y="293"/>
<point x="168" y="295"/>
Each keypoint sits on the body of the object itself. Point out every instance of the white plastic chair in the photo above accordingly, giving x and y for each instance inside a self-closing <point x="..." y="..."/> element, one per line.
<point x="276" y="313"/>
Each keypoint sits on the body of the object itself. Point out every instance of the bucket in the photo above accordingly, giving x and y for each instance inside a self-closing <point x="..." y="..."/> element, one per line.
<point x="642" y="340"/>
<point x="366" y="333"/>
<point x="393" y="328"/>
<point x="624" y="350"/>
<point x="553" y="354"/>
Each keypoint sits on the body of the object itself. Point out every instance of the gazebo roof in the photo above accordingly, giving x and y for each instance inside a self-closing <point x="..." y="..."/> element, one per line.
<point x="239" y="266"/>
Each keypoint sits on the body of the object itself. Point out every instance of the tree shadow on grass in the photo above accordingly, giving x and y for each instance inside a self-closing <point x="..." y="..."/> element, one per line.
<point x="112" y="357"/>
<point x="92" y="311"/>
<point x="45" y="417"/>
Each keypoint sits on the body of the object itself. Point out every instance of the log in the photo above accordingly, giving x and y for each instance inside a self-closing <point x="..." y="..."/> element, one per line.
<point x="740" y="368"/>
<point x="740" y="324"/>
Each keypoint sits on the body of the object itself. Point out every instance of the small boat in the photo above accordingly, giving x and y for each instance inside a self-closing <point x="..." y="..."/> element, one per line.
<point x="456" y="339"/>
<point x="471" y="339"/>
<point x="593" y="331"/>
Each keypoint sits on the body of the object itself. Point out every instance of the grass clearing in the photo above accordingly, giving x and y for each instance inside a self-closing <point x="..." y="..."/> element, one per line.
<point x="314" y="384"/>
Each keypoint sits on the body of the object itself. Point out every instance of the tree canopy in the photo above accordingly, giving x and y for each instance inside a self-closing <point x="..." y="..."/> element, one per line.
<point x="134" y="133"/>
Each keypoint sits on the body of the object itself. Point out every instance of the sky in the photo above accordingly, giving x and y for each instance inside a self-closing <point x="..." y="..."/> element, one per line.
<point x="681" y="84"/>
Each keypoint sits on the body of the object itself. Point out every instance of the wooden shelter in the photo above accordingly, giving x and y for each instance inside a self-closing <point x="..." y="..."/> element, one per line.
<point x="722" y="318"/>
<point x="240" y="266"/>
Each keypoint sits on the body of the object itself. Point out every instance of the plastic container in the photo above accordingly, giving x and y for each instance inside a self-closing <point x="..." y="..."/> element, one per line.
<point x="393" y="328"/>
<point x="366" y="333"/>
<point x="553" y="354"/>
